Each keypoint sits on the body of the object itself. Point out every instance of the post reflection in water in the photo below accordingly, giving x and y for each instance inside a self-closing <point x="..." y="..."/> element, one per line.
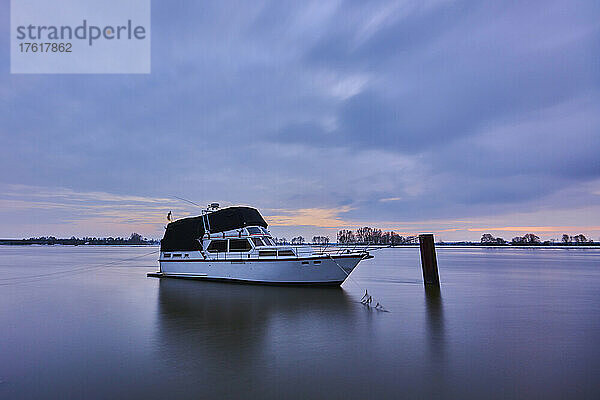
<point x="435" y="322"/>
<point x="435" y="341"/>
<point x="228" y="333"/>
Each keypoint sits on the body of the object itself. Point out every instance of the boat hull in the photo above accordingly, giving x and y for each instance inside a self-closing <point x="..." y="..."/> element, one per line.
<point x="295" y="271"/>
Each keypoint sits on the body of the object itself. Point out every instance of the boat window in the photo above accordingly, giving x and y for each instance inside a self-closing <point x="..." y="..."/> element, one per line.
<point x="176" y="255"/>
<point x="217" y="246"/>
<point x="239" y="245"/>
<point x="268" y="241"/>
<point x="267" y="253"/>
<point x="258" y="242"/>
<point x="286" y="253"/>
<point x="253" y="230"/>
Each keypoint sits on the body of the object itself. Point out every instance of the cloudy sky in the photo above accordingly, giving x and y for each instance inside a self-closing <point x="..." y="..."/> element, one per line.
<point x="453" y="117"/>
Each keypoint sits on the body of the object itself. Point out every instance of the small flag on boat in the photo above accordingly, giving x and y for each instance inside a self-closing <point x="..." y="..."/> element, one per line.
<point x="169" y="216"/>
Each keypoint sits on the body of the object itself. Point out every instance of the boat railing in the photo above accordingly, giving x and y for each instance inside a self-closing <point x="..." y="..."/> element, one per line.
<point x="300" y="251"/>
<point x="337" y="249"/>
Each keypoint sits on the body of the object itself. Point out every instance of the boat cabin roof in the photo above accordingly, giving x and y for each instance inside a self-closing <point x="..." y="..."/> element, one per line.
<point x="184" y="233"/>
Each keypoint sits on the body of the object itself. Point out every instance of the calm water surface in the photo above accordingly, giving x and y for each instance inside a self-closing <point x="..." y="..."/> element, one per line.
<point x="508" y="323"/>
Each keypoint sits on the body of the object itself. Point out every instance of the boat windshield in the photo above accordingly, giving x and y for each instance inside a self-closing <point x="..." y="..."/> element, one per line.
<point x="258" y="242"/>
<point x="254" y="230"/>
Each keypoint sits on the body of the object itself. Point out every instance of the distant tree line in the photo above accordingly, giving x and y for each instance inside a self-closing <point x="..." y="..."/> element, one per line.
<point x="323" y="240"/>
<point x="134" y="238"/>
<point x="577" y="239"/>
<point x="376" y="236"/>
<point x="532" y="239"/>
<point x="368" y="235"/>
<point x="295" y="240"/>
<point x="284" y="240"/>
<point x="489" y="239"/>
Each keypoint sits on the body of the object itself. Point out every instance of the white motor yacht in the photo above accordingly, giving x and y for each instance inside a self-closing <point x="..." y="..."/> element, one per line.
<point x="233" y="244"/>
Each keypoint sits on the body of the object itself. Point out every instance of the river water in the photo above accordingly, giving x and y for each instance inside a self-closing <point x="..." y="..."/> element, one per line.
<point x="507" y="323"/>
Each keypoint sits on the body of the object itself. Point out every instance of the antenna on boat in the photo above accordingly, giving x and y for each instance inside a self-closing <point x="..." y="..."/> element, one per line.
<point x="188" y="201"/>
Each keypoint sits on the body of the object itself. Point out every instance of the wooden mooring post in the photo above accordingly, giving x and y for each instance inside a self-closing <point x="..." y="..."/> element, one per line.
<point x="429" y="260"/>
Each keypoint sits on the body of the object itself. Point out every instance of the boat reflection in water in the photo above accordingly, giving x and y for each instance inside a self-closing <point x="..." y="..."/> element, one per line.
<point x="234" y="340"/>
